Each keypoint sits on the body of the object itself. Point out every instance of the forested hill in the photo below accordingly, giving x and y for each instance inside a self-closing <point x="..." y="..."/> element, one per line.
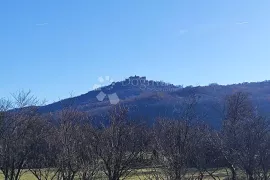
<point x="151" y="99"/>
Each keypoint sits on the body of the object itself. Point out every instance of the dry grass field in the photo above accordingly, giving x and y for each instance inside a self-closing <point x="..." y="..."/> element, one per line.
<point x="140" y="174"/>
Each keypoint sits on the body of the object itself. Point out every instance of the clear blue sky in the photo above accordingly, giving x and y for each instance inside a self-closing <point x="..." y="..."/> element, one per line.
<point x="55" y="47"/>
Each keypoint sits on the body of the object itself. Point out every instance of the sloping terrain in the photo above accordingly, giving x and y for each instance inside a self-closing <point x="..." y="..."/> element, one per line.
<point x="151" y="99"/>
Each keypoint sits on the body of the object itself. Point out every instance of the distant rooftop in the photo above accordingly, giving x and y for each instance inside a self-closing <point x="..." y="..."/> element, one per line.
<point x="137" y="77"/>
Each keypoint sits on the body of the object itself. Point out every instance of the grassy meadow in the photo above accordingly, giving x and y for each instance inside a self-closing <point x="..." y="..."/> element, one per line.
<point x="139" y="174"/>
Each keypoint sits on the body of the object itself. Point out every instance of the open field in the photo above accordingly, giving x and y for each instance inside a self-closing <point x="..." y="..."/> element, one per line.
<point x="140" y="174"/>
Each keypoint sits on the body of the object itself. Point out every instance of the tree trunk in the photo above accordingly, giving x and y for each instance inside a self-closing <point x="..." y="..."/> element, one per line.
<point x="233" y="171"/>
<point x="201" y="176"/>
<point x="250" y="175"/>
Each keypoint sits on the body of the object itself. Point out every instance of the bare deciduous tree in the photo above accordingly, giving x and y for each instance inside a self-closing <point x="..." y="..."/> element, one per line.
<point x="19" y="134"/>
<point x="42" y="160"/>
<point x="89" y="165"/>
<point x="242" y="134"/>
<point x="174" y="138"/>
<point x="205" y="157"/>
<point x="68" y="140"/>
<point x="117" y="145"/>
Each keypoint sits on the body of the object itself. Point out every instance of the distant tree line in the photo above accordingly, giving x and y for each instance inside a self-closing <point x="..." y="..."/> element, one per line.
<point x="67" y="146"/>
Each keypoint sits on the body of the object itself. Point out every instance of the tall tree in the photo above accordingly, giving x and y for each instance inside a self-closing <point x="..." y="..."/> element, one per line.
<point x="118" y="145"/>
<point x="19" y="134"/>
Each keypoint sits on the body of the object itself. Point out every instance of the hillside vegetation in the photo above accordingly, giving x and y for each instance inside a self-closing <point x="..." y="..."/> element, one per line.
<point x="70" y="144"/>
